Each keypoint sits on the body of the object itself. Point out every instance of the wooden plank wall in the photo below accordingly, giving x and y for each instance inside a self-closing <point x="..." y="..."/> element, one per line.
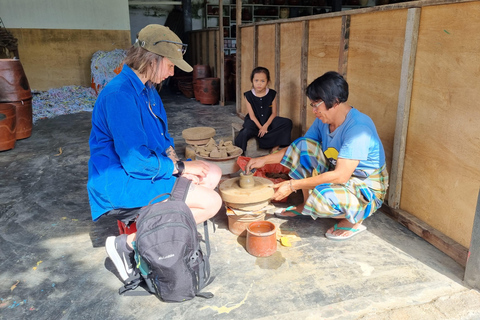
<point x="54" y="58"/>
<point x="323" y="52"/>
<point x="413" y="68"/>
<point x="203" y="49"/>
<point x="442" y="173"/>
<point x="373" y="69"/>
<point x="289" y="91"/>
<point x="267" y="48"/>
<point x="248" y="52"/>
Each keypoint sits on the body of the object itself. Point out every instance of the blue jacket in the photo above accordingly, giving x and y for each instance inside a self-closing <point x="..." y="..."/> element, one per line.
<point x="128" y="166"/>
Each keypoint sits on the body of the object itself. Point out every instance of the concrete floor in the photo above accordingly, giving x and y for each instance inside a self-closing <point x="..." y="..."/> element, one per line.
<point x="53" y="263"/>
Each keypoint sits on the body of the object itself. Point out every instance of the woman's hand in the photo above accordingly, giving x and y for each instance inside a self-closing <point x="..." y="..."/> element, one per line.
<point x="282" y="191"/>
<point x="254" y="163"/>
<point x="195" y="170"/>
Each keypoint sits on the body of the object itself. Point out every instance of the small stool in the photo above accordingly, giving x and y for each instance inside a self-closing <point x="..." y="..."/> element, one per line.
<point x="124" y="229"/>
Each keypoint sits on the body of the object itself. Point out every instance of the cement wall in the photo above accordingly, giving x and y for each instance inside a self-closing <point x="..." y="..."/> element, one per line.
<point x="57" y="38"/>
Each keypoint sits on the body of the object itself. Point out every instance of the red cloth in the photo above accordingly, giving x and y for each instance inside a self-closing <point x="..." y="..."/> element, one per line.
<point x="262" y="172"/>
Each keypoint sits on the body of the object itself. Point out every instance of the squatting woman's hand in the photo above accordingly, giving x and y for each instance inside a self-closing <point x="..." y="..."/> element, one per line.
<point x="282" y="191"/>
<point x="254" y="163"/>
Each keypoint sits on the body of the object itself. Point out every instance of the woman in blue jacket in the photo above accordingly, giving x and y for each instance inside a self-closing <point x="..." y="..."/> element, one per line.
<point x="132" y="156"/>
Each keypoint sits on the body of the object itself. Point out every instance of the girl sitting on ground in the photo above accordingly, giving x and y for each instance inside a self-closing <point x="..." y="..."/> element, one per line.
<point x="262" y="121"/>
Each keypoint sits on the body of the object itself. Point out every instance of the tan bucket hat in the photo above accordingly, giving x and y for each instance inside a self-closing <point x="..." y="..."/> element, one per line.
<point x="164" y="42"/>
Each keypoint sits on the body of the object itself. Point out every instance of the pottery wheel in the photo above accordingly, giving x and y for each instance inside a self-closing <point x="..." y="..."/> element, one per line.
<point x="197" y="142"/>
<point x="198" y="133"/>
<point x="231" y="192"/>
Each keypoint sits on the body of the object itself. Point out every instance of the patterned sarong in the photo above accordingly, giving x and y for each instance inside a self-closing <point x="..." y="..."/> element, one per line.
<point x="357" y="199"/>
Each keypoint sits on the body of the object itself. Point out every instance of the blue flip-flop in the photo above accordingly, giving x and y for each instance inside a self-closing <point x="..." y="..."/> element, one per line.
<point x="356" y="231"/>
<point x="297" y="215"/>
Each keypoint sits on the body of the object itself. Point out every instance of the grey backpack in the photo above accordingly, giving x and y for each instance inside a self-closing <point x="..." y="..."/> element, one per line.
<point x="170" y="261"/>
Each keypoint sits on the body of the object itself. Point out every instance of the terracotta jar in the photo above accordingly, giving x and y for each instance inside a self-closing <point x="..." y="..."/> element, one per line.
<point x="207" y="90"/>
<point x="24" y="116"/>
<point x="7" y="126"/>
<point x="201" y="71"/>
<point x="261" y="238"/>
<point x="13" y="81"/>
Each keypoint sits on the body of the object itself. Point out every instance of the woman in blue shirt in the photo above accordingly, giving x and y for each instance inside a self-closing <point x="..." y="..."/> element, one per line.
<point x="132" y="156"/>
<point x="339" y="164"/>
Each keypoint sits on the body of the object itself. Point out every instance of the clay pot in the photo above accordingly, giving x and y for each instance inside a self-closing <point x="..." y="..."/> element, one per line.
<point x="237" y="224"/>
<point x="7" y="126"/>
<point x="246" y="181"/>
<point x="24" y="118"/>
<point x="208" y="90"/>
<point x="196" y="88"/>
<point x="201" y="71"/>
<point x="261" y="238"/>
<point x="13" y="81"/>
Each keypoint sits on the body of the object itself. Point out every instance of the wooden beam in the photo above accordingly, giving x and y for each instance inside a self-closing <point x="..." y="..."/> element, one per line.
<point x="472" y="270"/>
<point x="221" y="53"/>
<point x="277" y="63"/>
<point x="343" y="51"/>
<point x="255" y="46"/>
<point x="403" y="108"/>
<point x="445" y="244"/>
<point x="304" y="74"/>
<point x="238" y="21"/>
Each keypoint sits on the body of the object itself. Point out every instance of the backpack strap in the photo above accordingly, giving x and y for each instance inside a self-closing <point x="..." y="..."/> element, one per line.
<point x="204" y="278"/>
<point x="131" y="284"/>
<point x="159" y="196"/>
<point x="180" y="189"/>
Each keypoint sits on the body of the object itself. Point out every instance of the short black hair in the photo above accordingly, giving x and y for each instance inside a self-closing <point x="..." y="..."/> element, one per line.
<point x="331" y="88"/>
<point x="260" y="70"/>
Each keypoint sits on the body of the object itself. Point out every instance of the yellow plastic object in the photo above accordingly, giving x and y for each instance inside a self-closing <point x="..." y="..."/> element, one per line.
<point x="285" y="242"/>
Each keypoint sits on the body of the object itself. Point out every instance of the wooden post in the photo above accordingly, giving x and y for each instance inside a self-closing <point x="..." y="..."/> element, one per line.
<point x="304" y="73"/>
<point x="472" y="270"/>
<point x="187" y="15"/>
<point x="343" y="54"/>
<point x="255" y="45"/>
<point x="239" y="56"/>
<point x="221" y="52"/>
<point x="277" y="63"/>
<point x="403" y="108"/>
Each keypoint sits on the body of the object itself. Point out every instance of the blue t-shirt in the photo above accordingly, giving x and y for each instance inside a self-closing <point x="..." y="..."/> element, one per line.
<point x="128" y="165"/>
<point x="356" y="138"/>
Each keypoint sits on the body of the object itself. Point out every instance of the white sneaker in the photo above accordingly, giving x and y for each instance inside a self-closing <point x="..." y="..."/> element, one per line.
<point x="120" y="256"/>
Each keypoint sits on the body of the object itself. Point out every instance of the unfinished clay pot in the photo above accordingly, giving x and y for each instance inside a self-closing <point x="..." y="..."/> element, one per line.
<point x="246" y="181"/>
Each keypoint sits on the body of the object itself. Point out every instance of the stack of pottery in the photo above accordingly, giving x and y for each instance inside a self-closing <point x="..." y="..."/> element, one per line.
<point x="200" y="71"/>
<point x="208" y="90"/>
<point x="223" y="154"/>
<point x="196" y="136"/>
<point x="15" y="94"/>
